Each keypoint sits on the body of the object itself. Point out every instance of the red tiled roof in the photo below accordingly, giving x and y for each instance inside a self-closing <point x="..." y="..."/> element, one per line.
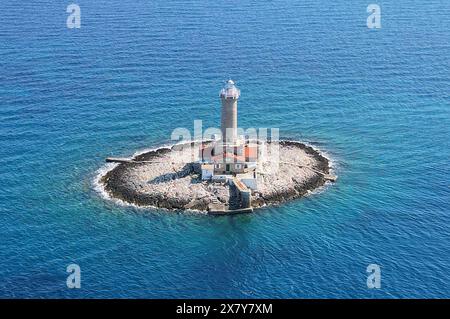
<point x="251" y="152"/>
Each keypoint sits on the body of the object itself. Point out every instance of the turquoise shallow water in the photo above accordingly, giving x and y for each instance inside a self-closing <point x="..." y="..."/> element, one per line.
<point x="377" y="101"/>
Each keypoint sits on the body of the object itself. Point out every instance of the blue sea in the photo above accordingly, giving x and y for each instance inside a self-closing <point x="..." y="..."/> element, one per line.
<point x="375" y="101"/>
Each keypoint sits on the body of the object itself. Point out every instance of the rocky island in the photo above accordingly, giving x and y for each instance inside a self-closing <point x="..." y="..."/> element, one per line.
<point x="152" y="179"/>
<point x="223" y="172"/>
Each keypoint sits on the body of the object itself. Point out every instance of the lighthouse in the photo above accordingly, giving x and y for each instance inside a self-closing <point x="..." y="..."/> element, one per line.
<point x="234" y="159"/>
<point x="229" y="96"/>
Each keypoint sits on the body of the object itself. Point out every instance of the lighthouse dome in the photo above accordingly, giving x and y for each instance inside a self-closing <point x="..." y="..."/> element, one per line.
<point x="230" y="91"/>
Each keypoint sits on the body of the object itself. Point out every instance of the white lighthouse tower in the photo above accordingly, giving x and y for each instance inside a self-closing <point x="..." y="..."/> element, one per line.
<point x="234" y="159"/>
<point x="229" y="96"/>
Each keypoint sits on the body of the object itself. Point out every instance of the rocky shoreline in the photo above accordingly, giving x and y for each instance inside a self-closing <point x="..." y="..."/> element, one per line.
<point x="178" y="186"/>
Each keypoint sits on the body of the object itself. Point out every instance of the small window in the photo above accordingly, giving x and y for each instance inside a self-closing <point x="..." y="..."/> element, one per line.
<point x="238" y="166"/>
<point x="217" y="166"/>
